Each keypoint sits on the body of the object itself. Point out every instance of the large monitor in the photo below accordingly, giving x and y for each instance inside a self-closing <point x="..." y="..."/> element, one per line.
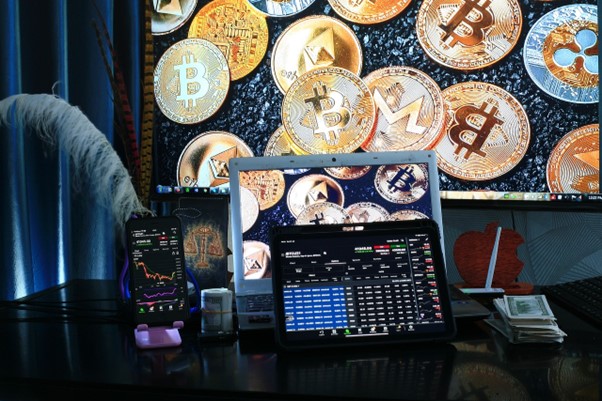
<point x="505" y="92"/>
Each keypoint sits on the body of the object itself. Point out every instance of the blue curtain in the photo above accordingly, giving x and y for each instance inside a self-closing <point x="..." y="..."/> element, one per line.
<point x="52" y="232"/>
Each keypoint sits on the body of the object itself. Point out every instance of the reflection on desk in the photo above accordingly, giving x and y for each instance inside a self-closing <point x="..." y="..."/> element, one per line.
<point x="46" y="354"/>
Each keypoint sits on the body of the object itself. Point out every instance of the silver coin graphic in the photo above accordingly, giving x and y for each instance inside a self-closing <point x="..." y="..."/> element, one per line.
<point x="561" y="53"/>
<point x="281" y="8"/>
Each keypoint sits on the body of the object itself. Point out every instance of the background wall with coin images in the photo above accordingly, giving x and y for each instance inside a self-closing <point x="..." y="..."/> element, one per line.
<point x="247" y="112"/>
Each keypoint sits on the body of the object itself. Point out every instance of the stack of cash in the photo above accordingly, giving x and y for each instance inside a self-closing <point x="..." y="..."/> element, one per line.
<point x="526" y="319"/>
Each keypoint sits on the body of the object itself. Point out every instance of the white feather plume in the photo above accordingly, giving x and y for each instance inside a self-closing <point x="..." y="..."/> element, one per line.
<point x="57" y="122"/>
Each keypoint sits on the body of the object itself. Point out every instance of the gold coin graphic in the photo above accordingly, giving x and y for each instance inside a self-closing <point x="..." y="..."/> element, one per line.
<point x="281" y="144"/>
<point x="368" y="11"/>
<point x="468" y="34"/>
<point x="266" y="185"/>
<point x="487" y="133"/>
<point x="191" y="81"/>
<point x="407" y="214"/>
<point x="347" y="172"/>
<point x="313" y="42"/>
<point x="328" y="110"/>
<point x="313" y="188"/>
<point x="204" y="160"/>
<point x="410" y="110"/>
<point x="256" y="260"/>
<point x="249" y="208"/>
<point x="401" y="183"/>
<point x="366" y="212"/>
<point x="574" y="164"/>
<point x="170" y="16"/>
<point x="322" y="213"/>
<point x="237" y="29"/>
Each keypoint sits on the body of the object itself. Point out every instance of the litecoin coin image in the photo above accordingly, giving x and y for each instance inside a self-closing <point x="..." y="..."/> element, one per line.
<point x="204" y="161"/>
<point x="468" y="34"/>
<point x="561" y="53"/>
<point x="191" y="81"/>
<point x="281" y="8"/>
<point x="574" y="164"/>
<point x="168" y="17"/>
<point x="313" y="42"/>
<point x="369" y="11"/>
<point x="410" y="110"/>
<point x="401" y="184"/>
<point x="237" y="29"/>
<point x="487" y="132"/>
<point x="328" y="110"/>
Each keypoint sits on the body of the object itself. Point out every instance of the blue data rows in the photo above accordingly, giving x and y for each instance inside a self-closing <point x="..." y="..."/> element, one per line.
<point x="315" y="308"/>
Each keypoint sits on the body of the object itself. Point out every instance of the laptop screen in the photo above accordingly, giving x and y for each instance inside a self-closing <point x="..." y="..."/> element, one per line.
<point x="376" y="282"/>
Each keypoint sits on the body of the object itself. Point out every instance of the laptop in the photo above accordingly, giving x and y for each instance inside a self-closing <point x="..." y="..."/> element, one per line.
<point x="268" y="191"/>
<point x="362" y="284"/>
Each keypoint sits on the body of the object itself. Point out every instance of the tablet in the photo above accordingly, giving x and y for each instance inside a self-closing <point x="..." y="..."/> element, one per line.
<point x="359" y="284"/>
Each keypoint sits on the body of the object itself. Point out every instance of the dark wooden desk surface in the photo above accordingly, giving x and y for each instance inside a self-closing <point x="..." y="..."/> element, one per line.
<point x="91" y="352"/>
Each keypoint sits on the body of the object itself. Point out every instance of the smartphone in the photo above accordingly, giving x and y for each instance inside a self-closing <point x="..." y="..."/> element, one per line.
<point x="158" y="284"/>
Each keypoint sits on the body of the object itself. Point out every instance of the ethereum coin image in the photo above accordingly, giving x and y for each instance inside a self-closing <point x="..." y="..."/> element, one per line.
<point x="313" y="42"/>
<point x="313" y="188"/>
<point x="370" y="11"/>
<point x="256" y="260"/>
<point x="407" y="214"/>
<point x="322" y="213"/>
<point x="204" y="161"/>
<point x="366" y="212"/>
<point x="561" y="53"/>
<point x="169" y="16"/>
<point x="574" y="163"/>
<point x="250" y="208"/>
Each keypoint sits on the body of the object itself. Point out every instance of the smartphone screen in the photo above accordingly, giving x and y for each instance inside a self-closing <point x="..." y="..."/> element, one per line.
<point x="158" y="285"/>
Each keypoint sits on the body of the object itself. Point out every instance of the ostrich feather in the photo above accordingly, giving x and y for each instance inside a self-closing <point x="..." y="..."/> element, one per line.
<point x="56" y="122"/>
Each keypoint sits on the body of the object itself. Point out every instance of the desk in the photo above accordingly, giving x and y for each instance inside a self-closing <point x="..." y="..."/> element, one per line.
<point x="96" y="356"/>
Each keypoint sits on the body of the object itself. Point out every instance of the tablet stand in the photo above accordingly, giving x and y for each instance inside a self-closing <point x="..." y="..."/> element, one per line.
<point x="487" y="289"/>
<point x="158" y="337"/>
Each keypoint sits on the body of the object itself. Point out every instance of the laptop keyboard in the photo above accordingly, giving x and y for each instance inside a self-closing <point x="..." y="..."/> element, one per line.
<point x="260" y="303"/>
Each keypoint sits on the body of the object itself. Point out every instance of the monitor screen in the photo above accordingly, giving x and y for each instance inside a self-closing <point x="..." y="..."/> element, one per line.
<point x="505" y="92"/>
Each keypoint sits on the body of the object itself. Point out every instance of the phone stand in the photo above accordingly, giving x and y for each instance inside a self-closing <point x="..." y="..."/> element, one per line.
<point x="158" y="337"/>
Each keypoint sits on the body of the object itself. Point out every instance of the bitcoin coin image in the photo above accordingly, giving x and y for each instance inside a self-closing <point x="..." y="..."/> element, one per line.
<point x="322" y="213"/>
<point x="407" y="214"/>
<point x="281" y="8"/>
<point x="280" y="144"/>
<point x="313" y="188"/>
<point x="237" y="29"/>
<point x="409" y="110"/>
<point x="317" y="41"/>
<point x="204" y="160"/>
<point x="487" y="132"/>
<point x="468" y="34"/>
<point x="366" y="212"/>
<point x="347" y="172"/>
<point x="561" y="53"/>
<point x="170" y="16"/>
<point x="249" y="209"/>
<point x="328" y="110"/>
<point x="401" y="183"/>
<point x="191" y="81"/>
<point x="368" y="11"/>
<point x="256" y="260"/>
<point x="574" y="163"/>
<point x="266" y="185"/>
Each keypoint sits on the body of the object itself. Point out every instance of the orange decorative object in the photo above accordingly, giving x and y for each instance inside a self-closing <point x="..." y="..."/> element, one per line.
<point x="472" y="253"/>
